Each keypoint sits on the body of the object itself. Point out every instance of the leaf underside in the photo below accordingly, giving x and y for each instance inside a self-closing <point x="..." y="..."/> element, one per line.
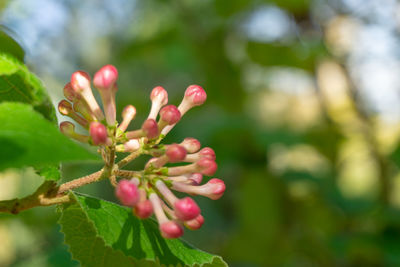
<point x="18" y="84"/>
<point x="28" y="139"/>
<point x="101" y="233"/>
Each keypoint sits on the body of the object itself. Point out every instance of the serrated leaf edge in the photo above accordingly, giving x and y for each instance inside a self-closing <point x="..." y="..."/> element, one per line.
<point x="73" y="194"/>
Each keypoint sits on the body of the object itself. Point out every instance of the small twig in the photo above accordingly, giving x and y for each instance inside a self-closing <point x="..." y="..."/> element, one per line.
<point x="38" y="198"/>
<point x="129" y="158"/>
<point x="91" y="178"/>
<point x="128" y="174"/>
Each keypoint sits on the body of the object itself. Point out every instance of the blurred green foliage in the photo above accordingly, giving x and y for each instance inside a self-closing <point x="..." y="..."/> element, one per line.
<point x="288" y="202"/>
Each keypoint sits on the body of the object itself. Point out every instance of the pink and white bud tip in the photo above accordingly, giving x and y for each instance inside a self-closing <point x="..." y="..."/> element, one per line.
<point x="80" y="81"/>
<point x="196" y="95"/>
<point x="105" y="78"/>
<point x="207" y="166"/>
<point x="191" y="145"/>
<point x="160" y="95"/>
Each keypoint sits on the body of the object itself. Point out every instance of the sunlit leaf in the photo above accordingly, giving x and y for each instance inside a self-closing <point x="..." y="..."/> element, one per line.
<point x="101" y="233"/>
<point x="28" y="139"/>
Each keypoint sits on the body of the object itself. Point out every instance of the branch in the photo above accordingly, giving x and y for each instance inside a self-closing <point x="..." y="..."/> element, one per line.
<point x="39" y="198"/>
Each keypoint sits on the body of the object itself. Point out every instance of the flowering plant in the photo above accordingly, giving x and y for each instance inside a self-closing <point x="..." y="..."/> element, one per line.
<point x="93" y="226"/>
<point x="147" y="191"/>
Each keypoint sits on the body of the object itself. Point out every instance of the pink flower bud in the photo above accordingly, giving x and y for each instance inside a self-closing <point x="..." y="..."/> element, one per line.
<point x="186" y="209"/>
<point x="214" y="189"/>
<point x="160" y="95"/>
<point x="208" y="153"/>
<point x="191" y="145"/>
<point x="144" y="209"/>
<point x="218" y="188"/>
<point x="128" y="114"/>
<point x="168" y="229"/>
<point x="196" y="223"/>
<point x="206" y="166"/>
<point x="105" y="81"/>
<point x="196" y="95"/>
<point x="171" y="229"/>
<point x="159" y="98"/>
<point x="170" y="114"/>
<point x="175" y="153"/>
<point x="105" y="78"/>
<point x="150" y="128"/>
<point x="98" y="132"/>
<point x="127" y="193"/>
<point x="69" y="93"/>
<point x="80" y="81"/>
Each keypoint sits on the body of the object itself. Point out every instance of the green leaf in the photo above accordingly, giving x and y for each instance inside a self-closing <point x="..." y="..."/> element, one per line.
<point x="28" y="139"/>
<point x="101" y="233"/>
<point x="49" y="172"/>
<point x="18" y="84"/>
<point x="9" y="45"/>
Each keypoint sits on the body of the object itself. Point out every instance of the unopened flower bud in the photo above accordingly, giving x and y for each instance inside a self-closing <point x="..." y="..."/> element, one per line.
<point x="168" y="229"/>
<point x="196" y="223"/>
<point x="128" y="114"/>
<point x="127" y="193"/>
<point x="214" y="189"/>
<point x="207" y="166"/>
<point x="191" y="145"/>
<point x="105" y="78"/>
<point x="65" y="108"/>
<point x="206" y="152"/>
<point x="143" y="209"/>
<point x="196" y="178"/>
<point x="130" y="146"/>
<point x="69" y="93"/>
<point x="150" y="128"/>
<point x="98" y="132"/>
<point x="175" y="153"/>
<point x="105" y="81"/>
<point x="186" y="209"/>
<point x="81" y="107"/>
<point x="80" y="83"/>
<point x="159" y="98"/>
<point x="194" y="96"/>
<point x="171" y="229"/>
<point x="170" y="115"/>
<point x="68" y="129"/>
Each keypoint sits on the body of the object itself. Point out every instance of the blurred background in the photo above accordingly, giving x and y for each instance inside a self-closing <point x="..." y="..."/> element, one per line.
<point x="303" y="112"/>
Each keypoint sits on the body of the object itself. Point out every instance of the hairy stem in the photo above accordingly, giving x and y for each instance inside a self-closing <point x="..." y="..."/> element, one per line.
<point x="128" y="174"/>
<point x="49" y="194"/>
<point x="88" y="179"/>
<point x="129" y="158"/>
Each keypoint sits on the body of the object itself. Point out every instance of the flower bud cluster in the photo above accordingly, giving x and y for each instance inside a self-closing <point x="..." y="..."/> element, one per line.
<point x="151" y="190"/>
